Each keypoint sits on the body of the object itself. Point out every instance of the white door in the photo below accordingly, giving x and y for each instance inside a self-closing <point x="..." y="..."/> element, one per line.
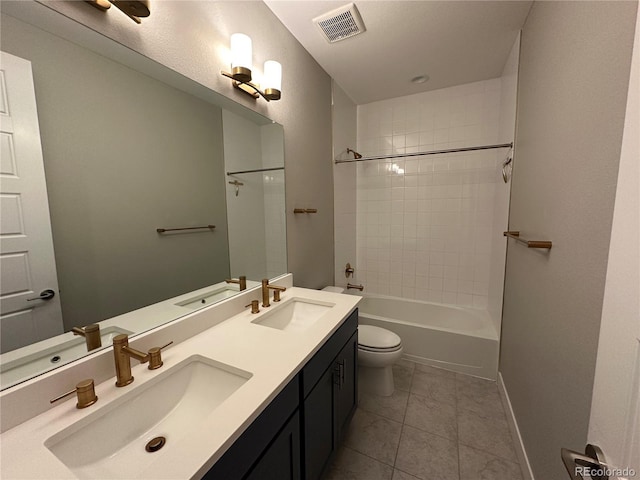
<point x="27" y="264"/>
<point x="614" y="425"/>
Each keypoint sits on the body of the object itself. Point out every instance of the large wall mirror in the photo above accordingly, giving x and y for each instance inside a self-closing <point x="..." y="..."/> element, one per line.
<point x="125" y="155"/>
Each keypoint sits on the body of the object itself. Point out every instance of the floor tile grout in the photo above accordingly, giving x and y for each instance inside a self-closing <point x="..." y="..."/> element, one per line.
<point x="459" y="386"/>
<point x="493" y="454"/>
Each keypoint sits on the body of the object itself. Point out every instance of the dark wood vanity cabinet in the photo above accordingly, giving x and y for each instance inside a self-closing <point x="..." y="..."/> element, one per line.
<point x="269" y="449"/>
<point x="295" y="437"/>
<point x="281" y="459"/>
<point x="329" y="401"/>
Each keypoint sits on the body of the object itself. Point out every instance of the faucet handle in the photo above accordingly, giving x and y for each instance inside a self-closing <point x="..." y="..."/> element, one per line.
<point x="254" y="306"/>
<point x="276" y="295"/>
<point x="86" y="392"/>
<point x="276" y="291"/>
<point x="155" y="357"/>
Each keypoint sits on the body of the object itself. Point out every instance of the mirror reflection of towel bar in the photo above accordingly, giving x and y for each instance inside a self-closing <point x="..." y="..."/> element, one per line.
<point x="529" y="243"/>
<point x="305" y="210"/>
<point x="163" y="230"/>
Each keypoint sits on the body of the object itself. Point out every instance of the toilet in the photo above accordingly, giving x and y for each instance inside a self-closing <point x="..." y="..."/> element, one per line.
<point x="378" y="350"/>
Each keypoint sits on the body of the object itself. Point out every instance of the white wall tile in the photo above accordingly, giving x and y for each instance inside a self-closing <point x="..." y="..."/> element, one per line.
<point x="426" y="226"/>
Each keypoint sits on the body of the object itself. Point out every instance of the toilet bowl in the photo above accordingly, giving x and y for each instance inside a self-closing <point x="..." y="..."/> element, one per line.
<point x="378" y="350"/>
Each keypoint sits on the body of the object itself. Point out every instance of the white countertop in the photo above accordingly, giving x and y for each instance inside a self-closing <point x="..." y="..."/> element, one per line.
<point x="135" y="322"/>
<point x="273" y="357"/>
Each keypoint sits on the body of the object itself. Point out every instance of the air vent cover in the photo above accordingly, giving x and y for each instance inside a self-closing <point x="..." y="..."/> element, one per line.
<point x="341" y="23"/>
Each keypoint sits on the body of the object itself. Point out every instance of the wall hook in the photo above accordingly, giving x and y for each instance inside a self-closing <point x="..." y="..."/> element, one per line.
<point x="236" y="184"/>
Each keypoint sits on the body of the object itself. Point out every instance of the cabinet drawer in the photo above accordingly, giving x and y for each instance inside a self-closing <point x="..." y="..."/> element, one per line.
<point x="315" y="368"/>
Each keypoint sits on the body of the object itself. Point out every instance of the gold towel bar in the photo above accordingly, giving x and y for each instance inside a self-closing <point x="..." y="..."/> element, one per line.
<point x="528" y="243"/>
<point x="305" y="210"/>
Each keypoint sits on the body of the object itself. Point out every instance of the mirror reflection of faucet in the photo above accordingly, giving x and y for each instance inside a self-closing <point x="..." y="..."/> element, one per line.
<point x="242" y="281"/>
<point x="91" y="334"/>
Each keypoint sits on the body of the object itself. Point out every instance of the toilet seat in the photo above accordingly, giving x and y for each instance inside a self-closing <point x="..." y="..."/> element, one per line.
<point x="376" y="339"/>
<point x="380" y="350"/>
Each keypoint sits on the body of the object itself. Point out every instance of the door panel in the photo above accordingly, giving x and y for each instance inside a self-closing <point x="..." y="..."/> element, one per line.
<point x="27" y="262"/>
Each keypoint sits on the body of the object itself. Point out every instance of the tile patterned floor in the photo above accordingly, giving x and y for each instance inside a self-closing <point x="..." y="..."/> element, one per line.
<point x="438" y="425"/>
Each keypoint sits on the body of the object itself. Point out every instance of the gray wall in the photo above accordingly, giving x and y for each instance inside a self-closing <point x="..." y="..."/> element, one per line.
<point x="124" y="154"/>
<point x="574" y="72"/>
<point x="192" y="38"/>
<point x="345" y="135"/>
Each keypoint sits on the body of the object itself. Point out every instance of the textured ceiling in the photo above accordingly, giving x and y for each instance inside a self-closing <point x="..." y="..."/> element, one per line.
<point x="453" y="42"/>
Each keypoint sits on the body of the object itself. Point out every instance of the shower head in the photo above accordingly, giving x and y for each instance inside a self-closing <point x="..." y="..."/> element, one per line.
<point x="356" y="155"/>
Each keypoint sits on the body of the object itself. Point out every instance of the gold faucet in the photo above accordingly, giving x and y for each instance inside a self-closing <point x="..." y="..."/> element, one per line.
<point x="91" y="334"/>
<point x="265" y="292"/>
<point x="122" y="354"/>
<point x="242" y="281"/>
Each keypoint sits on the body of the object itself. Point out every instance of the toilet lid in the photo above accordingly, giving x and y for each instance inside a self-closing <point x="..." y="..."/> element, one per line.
<point x="376" y="337"/>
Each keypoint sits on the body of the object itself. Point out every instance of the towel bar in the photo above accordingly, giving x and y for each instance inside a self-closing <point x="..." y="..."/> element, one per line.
<point x="529" y="243"/>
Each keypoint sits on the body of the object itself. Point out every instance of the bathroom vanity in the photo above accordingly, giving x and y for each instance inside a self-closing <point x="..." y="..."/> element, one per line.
<point x="248" y="396"/>
<point x="301" y="429"/>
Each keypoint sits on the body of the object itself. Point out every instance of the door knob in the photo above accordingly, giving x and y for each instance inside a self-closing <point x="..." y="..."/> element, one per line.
<point x="47" y="294"/>
<point x="591" y="463"/>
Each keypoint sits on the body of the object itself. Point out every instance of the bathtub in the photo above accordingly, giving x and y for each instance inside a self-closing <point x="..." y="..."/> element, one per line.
<point x="462" y="339"/>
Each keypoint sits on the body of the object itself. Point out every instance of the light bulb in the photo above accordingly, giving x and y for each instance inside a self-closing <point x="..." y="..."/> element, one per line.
<point x="272" y="81"/>
<point x="241" y="56"/>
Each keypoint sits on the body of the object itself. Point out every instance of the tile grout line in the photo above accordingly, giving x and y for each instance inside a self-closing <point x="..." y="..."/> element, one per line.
<point x="406" y="406"/>
<point x="368" y="456"/>
<point x="515" y="462"/>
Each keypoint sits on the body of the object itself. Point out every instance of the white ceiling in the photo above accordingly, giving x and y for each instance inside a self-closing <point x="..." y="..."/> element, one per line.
<point x="453" y="42"/>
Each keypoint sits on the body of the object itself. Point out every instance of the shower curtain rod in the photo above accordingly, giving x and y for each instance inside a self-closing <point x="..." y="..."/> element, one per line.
<point x="256" y="170"/>
<point x="430" y="152"/>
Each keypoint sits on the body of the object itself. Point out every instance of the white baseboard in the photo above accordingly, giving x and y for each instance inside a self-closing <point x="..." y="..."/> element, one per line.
<point x="527" y="474"/>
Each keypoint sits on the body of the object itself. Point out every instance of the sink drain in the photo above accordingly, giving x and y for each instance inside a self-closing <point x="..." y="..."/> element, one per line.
<point x="155" y="444"/>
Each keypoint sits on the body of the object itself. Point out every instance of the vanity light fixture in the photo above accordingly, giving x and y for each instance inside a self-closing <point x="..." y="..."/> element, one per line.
<point x="134" y="9"/>
<point x="241" y="66"/>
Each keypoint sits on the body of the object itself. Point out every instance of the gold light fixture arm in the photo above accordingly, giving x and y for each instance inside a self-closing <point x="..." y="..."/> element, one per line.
<point x="131" y="8"/>
<point x="246" y="87"/>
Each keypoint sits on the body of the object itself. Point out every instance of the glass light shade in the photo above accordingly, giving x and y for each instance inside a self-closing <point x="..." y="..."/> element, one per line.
<point x="272" y="75"/>
<point x="241" y="51"/>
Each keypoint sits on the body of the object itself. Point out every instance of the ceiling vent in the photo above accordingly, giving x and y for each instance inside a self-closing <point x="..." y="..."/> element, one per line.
<point x="341" y="23"/>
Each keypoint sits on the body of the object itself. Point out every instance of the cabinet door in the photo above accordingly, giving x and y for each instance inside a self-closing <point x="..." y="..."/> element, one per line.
<point x="320" y="432"/>
<point x="346" y="393"/>
<point x="281" y="460"/>
<point x="247" y="451"/>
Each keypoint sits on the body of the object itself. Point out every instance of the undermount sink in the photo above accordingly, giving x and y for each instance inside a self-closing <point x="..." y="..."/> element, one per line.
<point x="294" y="314"/>
<point x="43" y="360"/>
<point x="207" y="298"/>
<point x="110" y="443"/>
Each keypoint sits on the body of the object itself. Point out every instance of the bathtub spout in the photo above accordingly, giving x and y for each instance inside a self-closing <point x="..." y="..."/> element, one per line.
<point x="357" y="287"/>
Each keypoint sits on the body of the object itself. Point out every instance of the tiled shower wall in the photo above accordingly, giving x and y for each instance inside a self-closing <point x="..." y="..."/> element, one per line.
<point x="256" y="216"/>
<point x="425" y="223"/>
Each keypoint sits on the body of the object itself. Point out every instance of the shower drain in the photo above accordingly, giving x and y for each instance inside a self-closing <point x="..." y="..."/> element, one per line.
<point x="155" y="444"/>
